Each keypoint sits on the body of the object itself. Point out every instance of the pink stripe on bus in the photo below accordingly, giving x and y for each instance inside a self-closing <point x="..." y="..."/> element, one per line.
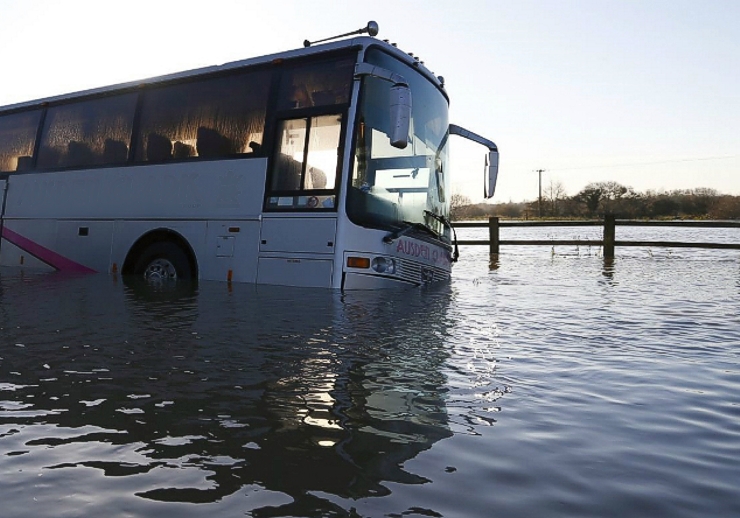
<point x="50" y="257"/>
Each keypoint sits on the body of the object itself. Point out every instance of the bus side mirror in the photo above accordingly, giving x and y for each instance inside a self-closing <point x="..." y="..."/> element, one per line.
<point x="491" y="173"/>
<point x="400" y="115"/>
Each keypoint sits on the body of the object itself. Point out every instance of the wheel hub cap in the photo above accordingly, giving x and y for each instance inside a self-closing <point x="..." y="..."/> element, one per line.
<point x="160" y="270"/>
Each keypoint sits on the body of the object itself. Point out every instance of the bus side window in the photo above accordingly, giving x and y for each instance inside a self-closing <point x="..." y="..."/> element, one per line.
<point x="323" y="83"/>
<point x="207" y="118"/>
<point x="17" y="140"/>
<point x="80" y="134"/>
<point x="305" y="163"/>
<point x="288" y="167"/>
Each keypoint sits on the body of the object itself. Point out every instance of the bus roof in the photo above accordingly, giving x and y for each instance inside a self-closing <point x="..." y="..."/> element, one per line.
<point x="357" y="42"/>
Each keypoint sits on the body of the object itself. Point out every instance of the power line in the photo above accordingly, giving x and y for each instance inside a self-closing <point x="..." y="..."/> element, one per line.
<point x="633" y="164"/>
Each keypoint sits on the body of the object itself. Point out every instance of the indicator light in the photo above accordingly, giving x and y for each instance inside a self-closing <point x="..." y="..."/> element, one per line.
<point x="358" y="262"/>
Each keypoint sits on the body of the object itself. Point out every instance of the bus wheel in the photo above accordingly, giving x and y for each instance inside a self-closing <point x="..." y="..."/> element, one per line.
<point x="162" y="262"/>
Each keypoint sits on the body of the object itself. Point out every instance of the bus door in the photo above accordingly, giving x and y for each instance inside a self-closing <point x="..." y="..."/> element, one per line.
<point x="300" y="221"/>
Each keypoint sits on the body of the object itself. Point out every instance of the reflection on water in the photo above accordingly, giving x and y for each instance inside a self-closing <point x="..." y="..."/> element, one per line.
<point x="197" y="393"/>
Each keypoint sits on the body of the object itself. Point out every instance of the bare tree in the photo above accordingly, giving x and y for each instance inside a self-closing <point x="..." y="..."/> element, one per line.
<point x="554" y="193"/>
<point x="458" y="206"/>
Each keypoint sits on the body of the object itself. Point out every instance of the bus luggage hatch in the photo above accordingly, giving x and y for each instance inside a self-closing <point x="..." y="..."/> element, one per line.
<point x="297" y="251"/>
<point x="298" y="235"/>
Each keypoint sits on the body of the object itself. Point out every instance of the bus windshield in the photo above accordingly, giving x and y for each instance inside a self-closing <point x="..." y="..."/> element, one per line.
<point x="392" y="188"/>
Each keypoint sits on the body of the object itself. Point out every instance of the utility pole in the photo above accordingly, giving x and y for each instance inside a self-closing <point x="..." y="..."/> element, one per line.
<point x="539" y="196"/>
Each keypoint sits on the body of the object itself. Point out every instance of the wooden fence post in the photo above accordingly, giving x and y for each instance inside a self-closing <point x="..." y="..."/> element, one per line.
<point x="609" y="235"/>
<point x="493" y="234"/>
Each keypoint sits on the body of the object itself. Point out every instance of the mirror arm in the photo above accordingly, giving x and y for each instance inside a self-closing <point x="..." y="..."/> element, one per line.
<point x="491" y="174"/>
<point x="467" y="134"/>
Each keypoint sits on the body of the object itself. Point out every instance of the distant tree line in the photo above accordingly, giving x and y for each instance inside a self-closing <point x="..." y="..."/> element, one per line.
<point x="599" y="198"/>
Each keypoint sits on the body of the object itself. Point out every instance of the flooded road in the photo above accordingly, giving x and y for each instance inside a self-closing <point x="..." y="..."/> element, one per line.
<point x="553" y="385"/>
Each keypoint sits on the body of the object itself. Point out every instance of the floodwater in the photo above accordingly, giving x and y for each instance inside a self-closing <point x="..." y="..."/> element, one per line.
<point x="546" y="384"/>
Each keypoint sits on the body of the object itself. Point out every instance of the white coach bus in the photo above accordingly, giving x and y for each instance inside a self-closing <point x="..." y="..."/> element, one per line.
<point x="325" y="166"/>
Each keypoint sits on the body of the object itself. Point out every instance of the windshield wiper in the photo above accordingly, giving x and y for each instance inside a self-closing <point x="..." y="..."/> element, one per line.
<point x="441" y="219"/>
<point x="448" y="223"/>
<point x="408" y="227"/>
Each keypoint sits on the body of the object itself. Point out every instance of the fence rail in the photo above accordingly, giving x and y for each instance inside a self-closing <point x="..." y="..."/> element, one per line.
<point x="609" y="241"/>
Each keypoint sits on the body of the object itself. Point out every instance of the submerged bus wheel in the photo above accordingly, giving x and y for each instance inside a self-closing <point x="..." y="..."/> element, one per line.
<point x="162" y="262"/>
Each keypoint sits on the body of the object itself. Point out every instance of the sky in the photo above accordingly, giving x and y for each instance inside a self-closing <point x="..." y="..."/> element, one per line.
<point x="642" y="92"/>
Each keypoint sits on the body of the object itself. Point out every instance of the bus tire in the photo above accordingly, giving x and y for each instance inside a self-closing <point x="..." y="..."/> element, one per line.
<point x="163" y="261"/>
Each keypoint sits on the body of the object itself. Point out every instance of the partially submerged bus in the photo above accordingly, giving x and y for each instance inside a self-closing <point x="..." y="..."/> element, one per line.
<point x="325" y="166"/>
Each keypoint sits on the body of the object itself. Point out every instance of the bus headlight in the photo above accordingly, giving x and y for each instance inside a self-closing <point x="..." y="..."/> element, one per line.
<point x="384" y="265"/>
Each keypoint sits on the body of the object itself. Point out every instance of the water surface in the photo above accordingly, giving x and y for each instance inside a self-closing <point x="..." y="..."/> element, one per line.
<point x="551" y="385"/>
